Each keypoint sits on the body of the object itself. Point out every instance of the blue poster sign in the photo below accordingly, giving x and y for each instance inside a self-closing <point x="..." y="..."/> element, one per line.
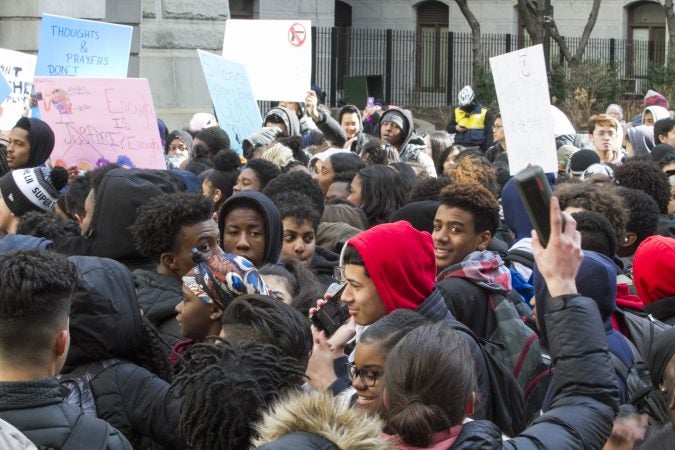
<point x="82" y="48"/>
<point x="236" y="108"/>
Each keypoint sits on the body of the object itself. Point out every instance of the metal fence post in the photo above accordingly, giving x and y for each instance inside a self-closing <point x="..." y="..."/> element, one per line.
<point x="450" y="68"/>
<point x="387" y="67"/>
<point x="507" y="43"/>
<point x="314" y="55"/>
<point x="333" y="66"/>
<point x="612" y="51"/>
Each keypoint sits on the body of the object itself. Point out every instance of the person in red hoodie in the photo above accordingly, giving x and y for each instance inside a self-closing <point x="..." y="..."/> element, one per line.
<point x="392" y="266"/>
<point x="654" y="277"/>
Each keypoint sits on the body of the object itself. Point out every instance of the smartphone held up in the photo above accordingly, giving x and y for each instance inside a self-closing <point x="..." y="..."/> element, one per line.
<point x="333" y="314"/>
<point x="535" y="193"/>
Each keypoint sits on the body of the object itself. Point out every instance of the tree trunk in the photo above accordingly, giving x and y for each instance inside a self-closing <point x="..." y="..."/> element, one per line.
<point x="476" y="49"/>
<point x="670" y="21"/>
<point x="532" y="13"/>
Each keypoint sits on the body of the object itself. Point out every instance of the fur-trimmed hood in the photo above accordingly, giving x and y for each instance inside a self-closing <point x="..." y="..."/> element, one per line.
<point x="319" y="414"/>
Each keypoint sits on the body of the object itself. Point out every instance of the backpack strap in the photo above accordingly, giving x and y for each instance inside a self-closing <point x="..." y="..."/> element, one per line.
<point x="89" y="433"/>
<point x="523" y="257"/>
<point x="619" y="366"/>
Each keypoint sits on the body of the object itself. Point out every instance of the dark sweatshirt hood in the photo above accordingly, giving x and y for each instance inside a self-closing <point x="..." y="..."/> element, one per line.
<point x="290" y="119"/>
<point x="273" y="227"/>
<point x="596" y="280"/>
<point x="105" y="319"/>
<point x="419" y="214"/>
<point x="408" y="123"/>
<point x="118" y="196"/>
<point x="41" y="139"/>
<point x="515" y="214"/>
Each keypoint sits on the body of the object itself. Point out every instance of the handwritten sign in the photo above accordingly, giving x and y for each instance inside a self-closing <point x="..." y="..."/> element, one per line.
<point x="524" y="102"/>
<point x="5" y="90"/>
<point x="277" y="55"/>
<point x="82" y="48"/>
<point x="101" y="120"/>
<point x="237" y="111"/>
<point x="18" y="69"/>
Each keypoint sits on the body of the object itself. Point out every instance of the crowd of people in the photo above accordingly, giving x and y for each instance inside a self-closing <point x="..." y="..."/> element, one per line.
<point x="186" y="308"/>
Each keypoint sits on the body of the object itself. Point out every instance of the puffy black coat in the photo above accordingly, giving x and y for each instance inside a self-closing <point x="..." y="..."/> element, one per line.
<point x="36" y="409"/>
<point x="105" y="323"/>
<point x="158" y="296"/>
<point x="585" y="395"/>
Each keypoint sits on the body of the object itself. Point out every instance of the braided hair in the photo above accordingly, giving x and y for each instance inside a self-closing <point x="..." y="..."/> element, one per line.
<point x="225" y="389"/>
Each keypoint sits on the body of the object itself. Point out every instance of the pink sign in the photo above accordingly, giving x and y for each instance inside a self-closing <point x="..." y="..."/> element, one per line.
<point x="101" y="120"/>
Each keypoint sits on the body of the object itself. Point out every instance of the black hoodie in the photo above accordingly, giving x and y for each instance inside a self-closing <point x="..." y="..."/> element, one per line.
<point x="118" y="196"/>
<point x="274" y="230"/>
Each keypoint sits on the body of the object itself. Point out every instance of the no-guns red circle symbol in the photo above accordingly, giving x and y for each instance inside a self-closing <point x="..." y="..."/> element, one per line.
<point x="297" y="34"/>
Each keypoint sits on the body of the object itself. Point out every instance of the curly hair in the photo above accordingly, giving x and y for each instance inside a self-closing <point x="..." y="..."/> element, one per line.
<point x="265" y="170"/>
<point x="643" y="212"/>
<point x="474" y="167"/>
<point x="597" y="233"/>
<point x="298" y="206"/>
<point x="46" y="225"/>
<point x="71" y="202"/>
<point x="645" y="176"/>
<point x="225" y="389"/>
<point x="160" y="220"/>
<point x="214" y="138"/>
<point x="596" y="197"/>
<point x="428" y="189"/>
<point x="287" y="185"/>
<point x="476" y="200"/>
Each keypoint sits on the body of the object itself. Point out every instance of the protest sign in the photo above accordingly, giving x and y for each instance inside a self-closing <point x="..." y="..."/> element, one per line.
<point x="522" y="91"/>
<point x="4" y="88"/>
<point x="82" y="48"/>
<point x="236" y="109"/>
<point x="277" y="55"/>
<point x="101" y="120"/>
<point x="18" y="69"/>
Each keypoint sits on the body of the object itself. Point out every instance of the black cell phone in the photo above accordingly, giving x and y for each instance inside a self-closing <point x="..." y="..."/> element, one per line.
<point x="332" y="315"/>
<point x="535" y="193"/>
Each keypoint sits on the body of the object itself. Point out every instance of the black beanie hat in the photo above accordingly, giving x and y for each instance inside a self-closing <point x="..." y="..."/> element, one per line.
<point x="581" y="160"/>
<point x="35" y="189"/>
<point x="41" y="139"/>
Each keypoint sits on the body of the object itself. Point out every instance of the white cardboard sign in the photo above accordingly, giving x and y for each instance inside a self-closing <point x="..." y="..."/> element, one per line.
<point x="277" y="55"/>
<point x="522" y="91"/>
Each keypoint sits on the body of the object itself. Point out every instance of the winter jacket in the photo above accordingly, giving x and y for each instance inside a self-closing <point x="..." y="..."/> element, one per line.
<point x="13" y="439"/>
<point x="331" y="129"/>
<point x="36" y="408"/>
<point x="13" y="242"/>
<point x="494" y="151"/>
<point x="478" y="122"/>
<point x="308" y="421"/>
<point x="323" y="266"/>
<point x="119" y="194"/>
<point x="273" y="228"/>
<point x="105" y="322"/>
<point x="596" y="280"/>
<point x="412" y="149"/>
<point x="158" y="296"/>
<point x="653" y="269"/>
<point x="585" y="397"/>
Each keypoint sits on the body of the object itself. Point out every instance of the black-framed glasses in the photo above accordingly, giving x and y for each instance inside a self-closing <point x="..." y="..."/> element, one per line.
<point x="368" y="376"/>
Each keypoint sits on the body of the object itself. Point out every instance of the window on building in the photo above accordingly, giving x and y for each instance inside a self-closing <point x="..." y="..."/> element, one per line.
<point x="343" y="23"/>
<point x="432" y="45"/>
<point x="646" y="36"/>
<point x="241" y="9"/>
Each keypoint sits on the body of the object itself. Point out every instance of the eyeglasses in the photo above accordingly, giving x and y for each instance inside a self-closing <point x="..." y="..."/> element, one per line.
<point x="367" y="376"/>
<point x="339" y="273"/>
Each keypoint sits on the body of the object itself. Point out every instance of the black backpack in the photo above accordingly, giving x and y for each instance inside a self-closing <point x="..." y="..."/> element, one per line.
<point x="88" y="433"/>
<point x="640" y="329"/>
<point x="76" y="385"/>
<point x="508" y="402"/>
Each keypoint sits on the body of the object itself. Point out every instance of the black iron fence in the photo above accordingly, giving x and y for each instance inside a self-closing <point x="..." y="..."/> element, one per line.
<point x="429" y="66"/>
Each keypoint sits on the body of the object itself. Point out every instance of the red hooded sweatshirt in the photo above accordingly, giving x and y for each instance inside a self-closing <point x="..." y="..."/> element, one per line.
<point x="400" y="260"/>
<point x="654" y="269"/>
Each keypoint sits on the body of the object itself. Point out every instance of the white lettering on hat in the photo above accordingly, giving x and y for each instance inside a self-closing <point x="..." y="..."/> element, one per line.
<point x="29" y="185"/>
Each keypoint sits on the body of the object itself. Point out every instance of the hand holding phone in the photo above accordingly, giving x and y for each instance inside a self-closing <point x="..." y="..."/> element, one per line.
<point x="332" y="314"/>
<point x="535" y="193"/>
